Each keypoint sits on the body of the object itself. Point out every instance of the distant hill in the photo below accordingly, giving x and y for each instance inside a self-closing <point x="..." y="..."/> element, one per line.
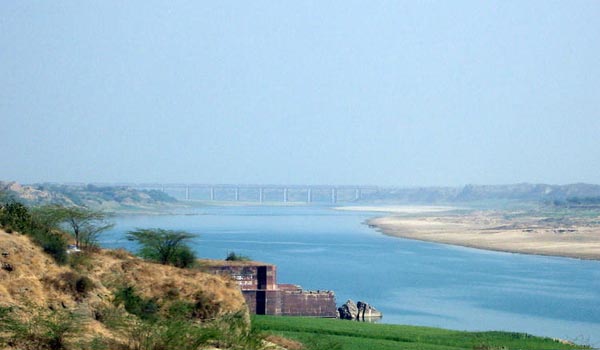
<point x="472" y="193"/>
<point x="102" y="197"/>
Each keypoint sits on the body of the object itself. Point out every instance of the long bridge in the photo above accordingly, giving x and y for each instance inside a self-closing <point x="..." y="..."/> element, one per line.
<point x="256" y="193"/>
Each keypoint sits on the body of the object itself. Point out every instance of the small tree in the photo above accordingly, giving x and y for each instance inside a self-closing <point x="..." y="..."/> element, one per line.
<point x="15" y="216"/>
<point x="164" y="246"/>
<point x="83" y="223"/>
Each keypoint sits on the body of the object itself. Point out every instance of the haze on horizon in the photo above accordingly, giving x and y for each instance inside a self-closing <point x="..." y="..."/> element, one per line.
<point x="385" y="93"/>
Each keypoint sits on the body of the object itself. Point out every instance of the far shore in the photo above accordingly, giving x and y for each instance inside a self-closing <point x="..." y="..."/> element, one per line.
<point x="531" y="236"/>
<point x="398" y="209"/>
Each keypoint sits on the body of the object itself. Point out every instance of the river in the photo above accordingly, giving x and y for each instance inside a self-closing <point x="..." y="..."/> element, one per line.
<point x="411" y="282"/>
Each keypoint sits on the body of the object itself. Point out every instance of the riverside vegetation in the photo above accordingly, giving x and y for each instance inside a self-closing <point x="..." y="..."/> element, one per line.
<point x="110" y="299"/>
<point x="55" y="298"/>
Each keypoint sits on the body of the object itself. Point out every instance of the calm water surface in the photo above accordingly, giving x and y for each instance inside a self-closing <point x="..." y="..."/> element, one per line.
<point x="411" y="282"/>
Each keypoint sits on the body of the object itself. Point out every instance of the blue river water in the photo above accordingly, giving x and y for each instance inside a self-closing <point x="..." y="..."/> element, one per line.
<point x="411" y="282"/>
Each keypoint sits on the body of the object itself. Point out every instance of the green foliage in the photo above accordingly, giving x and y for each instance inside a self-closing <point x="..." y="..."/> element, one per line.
<point x="330" y="333"/>
<point x="15" y="216"/>
<point x="181" y="310"/>
<point x="232" y="256"/>
<point x="168" y="335"/>
<point x="84" y="224"/>
<point x="164" y="246"/>
<point x="146" y="309"/>
<point x="234" y="334"/>
<point x="205" y="307"/>
<point x="53" y="243"/>
<point x="45" y="329"/>
<point x="74" y="283"/>
<point x="184" y="257"/>
<point x="177" y="328"/>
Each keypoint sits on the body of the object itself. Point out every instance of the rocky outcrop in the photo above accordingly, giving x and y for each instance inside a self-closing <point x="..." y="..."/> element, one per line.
<point x="367" y="311"/>
<point x="358" y="311"/>
<point x="348" y="311"/>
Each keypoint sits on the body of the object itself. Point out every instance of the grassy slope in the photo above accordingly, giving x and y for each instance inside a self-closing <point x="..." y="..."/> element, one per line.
<point x="336" y="334"/>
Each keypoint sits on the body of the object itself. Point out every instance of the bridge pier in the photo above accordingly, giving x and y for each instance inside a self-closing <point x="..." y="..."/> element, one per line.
<point x="237" y="194"/>
<point x="333" y="195"/>
<point x="357" y="194"/>
<point x="309" y="195"/>
<point x="285" y="195"/>
<point x="187" y="193"/>
<point x="212" y="193"/>
<point x="260" y="195"/>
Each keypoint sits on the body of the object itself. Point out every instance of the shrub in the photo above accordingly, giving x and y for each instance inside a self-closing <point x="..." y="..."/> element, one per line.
<point x="15" y="216"/>
<point x="181" y="310"/>
<point x="83" y="285"/>
<point x="205" y="307"/>
<point x="169" y="335"/>
<point x="53" y="243"/>
<point x="145" y="309"/>
<point x="184" y="257"/>
<point x="112" y="317"/>
<point x="46" y="329"/>
<point x="232" y="256"/>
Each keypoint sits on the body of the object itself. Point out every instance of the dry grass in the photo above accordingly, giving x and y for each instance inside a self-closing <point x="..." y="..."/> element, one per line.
<point x="285" y="343"/>
<point x="36" y="279"/>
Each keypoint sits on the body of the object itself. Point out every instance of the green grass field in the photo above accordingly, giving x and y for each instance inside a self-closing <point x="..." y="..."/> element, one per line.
<point x="317" y="333"/>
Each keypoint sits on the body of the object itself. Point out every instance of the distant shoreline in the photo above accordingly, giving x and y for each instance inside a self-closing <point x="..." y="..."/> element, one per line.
<point x="580" y="243"/>
<point x="398" y="209"/>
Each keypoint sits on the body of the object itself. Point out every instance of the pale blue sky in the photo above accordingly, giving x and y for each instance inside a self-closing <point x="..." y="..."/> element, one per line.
<point x="386" y="93"/>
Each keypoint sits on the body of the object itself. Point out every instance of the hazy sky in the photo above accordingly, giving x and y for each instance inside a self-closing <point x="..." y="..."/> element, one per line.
<point x="402" y="93"/>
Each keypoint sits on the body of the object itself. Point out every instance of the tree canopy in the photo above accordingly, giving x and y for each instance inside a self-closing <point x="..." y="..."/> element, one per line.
<point x="164" y="246"/>
<point x="82" y="223"/>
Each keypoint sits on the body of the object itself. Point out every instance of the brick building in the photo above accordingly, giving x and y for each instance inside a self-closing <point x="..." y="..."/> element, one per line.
<point x="258" y="282"/>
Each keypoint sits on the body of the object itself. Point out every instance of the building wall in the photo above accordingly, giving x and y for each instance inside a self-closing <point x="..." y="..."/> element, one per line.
<point x="308" y="303"/>
<point x="292" y="303"/>
<point x="264" y="296"/>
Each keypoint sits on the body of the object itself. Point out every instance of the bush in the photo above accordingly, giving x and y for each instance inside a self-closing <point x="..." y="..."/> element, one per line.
<point x="146" y="309"/>
<point x="232" y="256"/>
<point x="181" y="310"/>
<point x="83" y="285"/>
<point x="54" y="244"/>
<point x="205" y="306"/>
<point x="15" y="216"/>
<point x="184" y="257"/>
<point x="46" y="329"/>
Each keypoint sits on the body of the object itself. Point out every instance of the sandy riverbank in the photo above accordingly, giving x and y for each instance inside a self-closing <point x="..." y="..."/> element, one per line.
<point x="524" y="235"/>
<point x="398" y="209"/>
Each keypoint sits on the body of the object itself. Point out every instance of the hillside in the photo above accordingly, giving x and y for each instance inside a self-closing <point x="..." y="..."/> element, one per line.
<point x="535" y="193"/>
<point x="109" y="198"/>
<point x="103" y="297"/>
